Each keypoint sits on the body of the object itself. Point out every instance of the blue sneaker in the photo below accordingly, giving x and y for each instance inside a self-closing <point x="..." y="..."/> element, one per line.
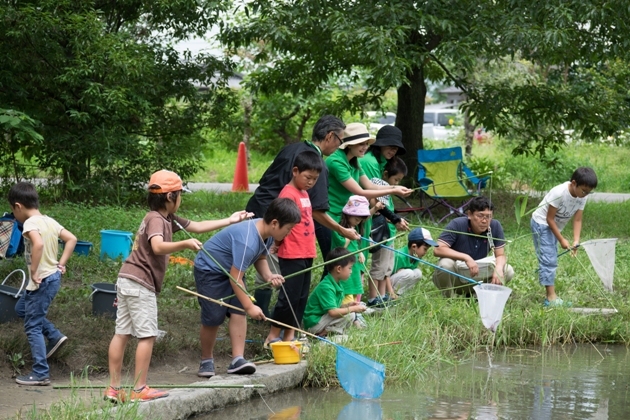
<point x="241" y="367"/>
<point x="31" y="379"/>
<point x="206" y="369"/>
<point x="53" y="346"/>
<point x="376" y="302"/>
<point x="556" y="303"/>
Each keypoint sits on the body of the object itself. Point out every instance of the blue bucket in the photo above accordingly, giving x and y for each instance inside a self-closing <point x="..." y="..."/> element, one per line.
<point x="115" y="244"/>
<point x="81" y="248"/>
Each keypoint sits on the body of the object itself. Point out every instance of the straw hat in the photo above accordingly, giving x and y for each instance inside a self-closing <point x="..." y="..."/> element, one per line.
<point x="356" y="133"/>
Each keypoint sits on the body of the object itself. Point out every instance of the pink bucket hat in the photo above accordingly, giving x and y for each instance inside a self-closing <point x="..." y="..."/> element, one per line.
<point x="357" y="205"/>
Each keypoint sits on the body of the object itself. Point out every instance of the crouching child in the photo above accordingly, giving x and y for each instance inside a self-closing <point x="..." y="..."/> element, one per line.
<point x="406" y="272"/>
<point x="324" y="311"/>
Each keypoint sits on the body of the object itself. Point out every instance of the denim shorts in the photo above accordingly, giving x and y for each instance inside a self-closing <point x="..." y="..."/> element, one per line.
<point x="215" y="286"/>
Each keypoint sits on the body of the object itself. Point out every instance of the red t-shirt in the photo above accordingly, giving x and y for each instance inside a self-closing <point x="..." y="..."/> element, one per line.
<point x="300" y="242"/>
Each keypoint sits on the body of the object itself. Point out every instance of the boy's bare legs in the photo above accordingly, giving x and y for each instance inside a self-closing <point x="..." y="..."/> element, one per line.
<point x="289" y="334"/>
<point x="143" y="360"/>
<point x="115" y="355"/>
<point x="551" y="293"/>
<point x="208" y="337"/>
<point x="238" y="330"/>
<point x="274" y="334"/>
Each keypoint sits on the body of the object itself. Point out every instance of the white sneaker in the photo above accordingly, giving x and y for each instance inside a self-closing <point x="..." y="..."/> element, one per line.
<point x="339" y="339"/>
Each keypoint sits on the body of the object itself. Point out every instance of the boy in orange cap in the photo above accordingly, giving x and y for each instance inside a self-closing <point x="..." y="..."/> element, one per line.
<point x="140" y="280"/>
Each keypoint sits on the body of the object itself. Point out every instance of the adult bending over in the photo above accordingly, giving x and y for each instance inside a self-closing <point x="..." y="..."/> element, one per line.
<point x="326" y="138"/>
<point x="466" y="247"/>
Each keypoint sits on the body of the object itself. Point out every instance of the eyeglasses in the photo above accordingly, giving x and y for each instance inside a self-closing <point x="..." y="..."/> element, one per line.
<point x="585" y="193"/>
<point x="338" y="138"/>
<point x="483" y="216"/>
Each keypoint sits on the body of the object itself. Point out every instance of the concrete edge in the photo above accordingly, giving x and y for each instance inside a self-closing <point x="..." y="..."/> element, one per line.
<point x="184" y="403"/>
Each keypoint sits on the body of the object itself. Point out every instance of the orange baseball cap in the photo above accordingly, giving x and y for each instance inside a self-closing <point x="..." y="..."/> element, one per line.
<point x="166" y="181"/>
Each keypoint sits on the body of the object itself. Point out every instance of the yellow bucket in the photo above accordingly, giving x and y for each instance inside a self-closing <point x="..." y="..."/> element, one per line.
<point x="286" y="352"/>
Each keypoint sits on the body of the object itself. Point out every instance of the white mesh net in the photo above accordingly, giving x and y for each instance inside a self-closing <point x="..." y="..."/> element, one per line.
<point x="601" y="252"/>
<point x="492" y="299"/>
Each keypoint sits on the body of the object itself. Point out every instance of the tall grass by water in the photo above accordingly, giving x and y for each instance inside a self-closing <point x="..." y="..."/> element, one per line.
<point x="434" y="331"/>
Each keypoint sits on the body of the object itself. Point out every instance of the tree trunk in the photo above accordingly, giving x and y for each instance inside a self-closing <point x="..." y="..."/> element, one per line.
<point x="410" y="117"/>
<point x="469" y="132"/>
<point x="247" y="124"/>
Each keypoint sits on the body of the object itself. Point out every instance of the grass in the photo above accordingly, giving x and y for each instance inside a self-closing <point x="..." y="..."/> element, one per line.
<point x="220" y="166"/>
<point x="435" y="331"/>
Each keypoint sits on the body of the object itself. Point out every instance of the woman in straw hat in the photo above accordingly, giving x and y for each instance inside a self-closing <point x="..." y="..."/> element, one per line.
<point x="347" y="178"/>
<point x="345" y="174"/>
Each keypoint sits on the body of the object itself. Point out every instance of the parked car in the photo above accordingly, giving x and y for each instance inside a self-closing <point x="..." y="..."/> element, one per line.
<point x="388" y="119"/>
<point x="439" y="124"/>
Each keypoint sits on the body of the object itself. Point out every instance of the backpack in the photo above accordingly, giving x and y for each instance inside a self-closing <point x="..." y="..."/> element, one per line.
<point x="11" y="240"/>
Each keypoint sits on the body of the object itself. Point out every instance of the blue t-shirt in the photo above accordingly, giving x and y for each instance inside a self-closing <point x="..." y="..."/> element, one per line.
<point x="238" y="245"/>
<point x="475" y="246"/>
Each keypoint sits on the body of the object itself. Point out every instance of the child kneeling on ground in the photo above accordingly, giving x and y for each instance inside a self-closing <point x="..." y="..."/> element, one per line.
<point x="406" y="271"/>
<point x="234" y="249"/>
<point x="324" y="311"/>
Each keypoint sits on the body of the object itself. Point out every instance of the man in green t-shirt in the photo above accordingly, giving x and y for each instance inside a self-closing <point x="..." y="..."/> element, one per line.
<point x="324" y="312"/>
<point x="406" y="272"/>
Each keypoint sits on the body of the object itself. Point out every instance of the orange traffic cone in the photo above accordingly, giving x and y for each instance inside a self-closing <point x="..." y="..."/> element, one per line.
<point x="241" y="183"/>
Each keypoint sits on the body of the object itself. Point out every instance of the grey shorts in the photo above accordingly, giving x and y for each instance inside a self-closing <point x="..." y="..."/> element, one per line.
<point x="382" y="264"/>
<point x="137" y="310"/>
<point x="215" y="286"/>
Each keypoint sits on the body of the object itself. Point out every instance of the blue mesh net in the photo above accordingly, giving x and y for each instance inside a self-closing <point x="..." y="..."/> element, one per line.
<point x="359" y="376"/>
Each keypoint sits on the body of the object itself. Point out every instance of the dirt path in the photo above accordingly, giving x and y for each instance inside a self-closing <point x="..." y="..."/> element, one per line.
<point x="16" y="399"/>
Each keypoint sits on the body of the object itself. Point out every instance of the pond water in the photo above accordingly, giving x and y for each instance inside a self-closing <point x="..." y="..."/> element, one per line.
<point x="571" y="382"/>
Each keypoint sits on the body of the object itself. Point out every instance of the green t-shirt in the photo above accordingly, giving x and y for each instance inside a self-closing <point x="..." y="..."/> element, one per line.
<point x="340" y="170"/>
<point x="353" y="285"/>
<point x="371" y="167"/>
<point x="327" y="295"/>
<point x="403" y="261"/>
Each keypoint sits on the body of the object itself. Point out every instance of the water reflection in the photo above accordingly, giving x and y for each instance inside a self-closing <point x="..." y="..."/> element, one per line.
<point x="573" y="382"/>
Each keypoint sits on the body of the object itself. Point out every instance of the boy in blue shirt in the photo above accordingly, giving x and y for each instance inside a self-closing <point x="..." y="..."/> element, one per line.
<point x="235" y="248"/>
<point x="41" y="234"/>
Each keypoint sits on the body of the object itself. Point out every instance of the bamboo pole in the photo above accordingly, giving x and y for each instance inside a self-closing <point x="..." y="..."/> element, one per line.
<point x="239" y="285"/>
<point x="166" y="386"/>
<point x="260" y="286"/>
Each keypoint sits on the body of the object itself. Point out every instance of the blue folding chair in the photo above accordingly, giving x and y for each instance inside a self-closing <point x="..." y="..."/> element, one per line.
<point x="445" y="179"/>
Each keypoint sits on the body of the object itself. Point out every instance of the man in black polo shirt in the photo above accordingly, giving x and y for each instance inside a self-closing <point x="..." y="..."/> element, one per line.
<point x="327" y="135"/>
<point x="465" y="245"/>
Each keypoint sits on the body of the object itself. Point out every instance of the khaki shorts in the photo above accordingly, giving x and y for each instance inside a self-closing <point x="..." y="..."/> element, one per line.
<point x="137" y="310"/>
<point x="382" y="264"/>
<point x="335" y="325"/>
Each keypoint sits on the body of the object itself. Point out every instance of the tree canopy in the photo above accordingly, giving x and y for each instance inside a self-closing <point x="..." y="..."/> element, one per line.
<point x="114" y="99"/>
<point x="577" y="50"/>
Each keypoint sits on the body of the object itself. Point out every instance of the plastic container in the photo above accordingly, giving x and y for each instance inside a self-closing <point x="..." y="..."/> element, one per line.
<point x="115" y="244"/>
<point x="81" y="248"/>
<point x="104" y="300"/>
<point x="9" y="297"/>
<point x="286" y="352"/>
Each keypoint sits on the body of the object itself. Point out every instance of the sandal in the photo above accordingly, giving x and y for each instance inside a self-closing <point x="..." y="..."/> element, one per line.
<point x="266" y="344"/>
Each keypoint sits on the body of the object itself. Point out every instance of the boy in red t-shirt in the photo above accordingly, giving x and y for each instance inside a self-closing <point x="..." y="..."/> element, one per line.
<point x="297" y="250"/>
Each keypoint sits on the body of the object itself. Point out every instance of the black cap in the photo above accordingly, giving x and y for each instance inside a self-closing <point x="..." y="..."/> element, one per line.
<point x="391" y="136"/>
